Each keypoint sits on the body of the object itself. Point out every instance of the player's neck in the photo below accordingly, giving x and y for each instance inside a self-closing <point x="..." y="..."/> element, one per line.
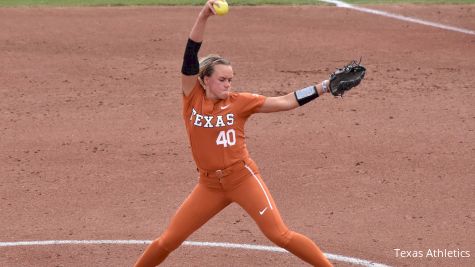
<point x="211" y="97"/>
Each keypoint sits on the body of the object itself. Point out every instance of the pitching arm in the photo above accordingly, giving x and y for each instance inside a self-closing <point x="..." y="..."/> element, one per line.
<point x="190" y="68"/>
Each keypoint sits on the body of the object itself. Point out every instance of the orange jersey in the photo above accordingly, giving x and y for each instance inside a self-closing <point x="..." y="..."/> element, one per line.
<point x="216" y="128"/>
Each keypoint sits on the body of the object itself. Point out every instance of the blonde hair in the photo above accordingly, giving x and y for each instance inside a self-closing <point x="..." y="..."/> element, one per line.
<point x="207" y="65"/>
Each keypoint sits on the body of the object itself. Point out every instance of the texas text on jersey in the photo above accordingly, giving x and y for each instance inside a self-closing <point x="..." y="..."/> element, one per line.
<point x="216" y="127"/>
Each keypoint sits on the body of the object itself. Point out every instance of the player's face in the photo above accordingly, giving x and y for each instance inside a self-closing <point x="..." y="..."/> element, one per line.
<point x="219" y="83"/>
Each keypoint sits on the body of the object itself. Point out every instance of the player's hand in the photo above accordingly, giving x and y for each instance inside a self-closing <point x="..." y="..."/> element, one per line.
<point x="208" y="9"/>
<point x="343" y="79"/>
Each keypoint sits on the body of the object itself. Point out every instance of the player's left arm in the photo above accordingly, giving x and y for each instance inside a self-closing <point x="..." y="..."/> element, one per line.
<point x="294" y="99"/>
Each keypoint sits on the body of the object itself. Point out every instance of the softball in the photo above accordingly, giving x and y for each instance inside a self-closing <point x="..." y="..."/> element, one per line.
<point x="221" y="8"/>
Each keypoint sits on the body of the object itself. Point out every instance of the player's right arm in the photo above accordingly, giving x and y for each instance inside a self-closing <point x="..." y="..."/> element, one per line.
<point x="190" y="67"/>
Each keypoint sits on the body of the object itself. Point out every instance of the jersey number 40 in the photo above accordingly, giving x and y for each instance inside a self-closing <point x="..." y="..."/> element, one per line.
<point x="226" y="138"/>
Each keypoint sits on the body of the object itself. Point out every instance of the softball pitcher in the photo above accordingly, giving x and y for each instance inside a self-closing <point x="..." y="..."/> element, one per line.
<point x="214" y="117"/>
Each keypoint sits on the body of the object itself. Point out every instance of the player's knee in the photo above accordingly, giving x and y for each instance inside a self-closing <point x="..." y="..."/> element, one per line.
<point x="280" y="238"/>
<point x="169" y="242"/>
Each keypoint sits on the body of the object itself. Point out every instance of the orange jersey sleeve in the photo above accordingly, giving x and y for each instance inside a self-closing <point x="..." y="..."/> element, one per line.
<point x="216" y="128"/>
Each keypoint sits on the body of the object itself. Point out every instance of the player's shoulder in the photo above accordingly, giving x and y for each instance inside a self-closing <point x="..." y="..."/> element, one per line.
<point x="197" y="91"/>
<point x="243" y="95"/>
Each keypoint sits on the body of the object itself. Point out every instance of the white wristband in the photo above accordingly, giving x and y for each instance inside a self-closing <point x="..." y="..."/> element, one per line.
<point x="324" y="86"/>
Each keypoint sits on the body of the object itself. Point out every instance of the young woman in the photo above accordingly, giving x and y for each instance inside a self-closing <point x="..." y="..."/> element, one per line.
<point x="214" y="117"/>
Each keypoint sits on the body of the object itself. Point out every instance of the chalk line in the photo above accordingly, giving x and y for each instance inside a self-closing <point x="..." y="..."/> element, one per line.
<point x="330" y="256"/>
<point x="399" y="17"/>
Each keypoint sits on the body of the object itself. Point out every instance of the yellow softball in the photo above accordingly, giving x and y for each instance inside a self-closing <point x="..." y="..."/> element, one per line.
<point x="221" y="8"/>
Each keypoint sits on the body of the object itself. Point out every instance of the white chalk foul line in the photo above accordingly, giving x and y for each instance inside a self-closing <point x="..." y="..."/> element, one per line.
<point x="399" y="17"/>
<point x="330" y="256"/>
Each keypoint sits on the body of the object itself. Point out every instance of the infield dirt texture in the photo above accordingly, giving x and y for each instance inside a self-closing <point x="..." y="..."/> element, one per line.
<point x="92" y="143"/>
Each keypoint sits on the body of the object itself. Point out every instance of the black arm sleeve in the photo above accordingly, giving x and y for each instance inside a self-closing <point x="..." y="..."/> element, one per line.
<point x="191" y="66"/>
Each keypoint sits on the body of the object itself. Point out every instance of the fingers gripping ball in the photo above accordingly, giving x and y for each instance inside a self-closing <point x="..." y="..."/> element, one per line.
<point x="221" y="8"/>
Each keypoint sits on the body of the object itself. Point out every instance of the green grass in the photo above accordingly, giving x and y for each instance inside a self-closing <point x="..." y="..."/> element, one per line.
<point x="93" y="2"/>
<point x="411" y="1"/>
<point x="148" y="2"/>
<point x="12" y="3"/>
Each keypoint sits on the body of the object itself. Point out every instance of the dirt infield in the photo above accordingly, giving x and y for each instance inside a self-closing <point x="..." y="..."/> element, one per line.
<point x="92" y="144"/>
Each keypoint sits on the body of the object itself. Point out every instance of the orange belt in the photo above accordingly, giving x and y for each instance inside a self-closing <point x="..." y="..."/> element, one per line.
<point x="239" y="165"/>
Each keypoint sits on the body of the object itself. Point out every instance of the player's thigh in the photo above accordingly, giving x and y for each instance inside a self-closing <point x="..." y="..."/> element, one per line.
<point x="200" y="206"/>
<point x="255" y="198"/>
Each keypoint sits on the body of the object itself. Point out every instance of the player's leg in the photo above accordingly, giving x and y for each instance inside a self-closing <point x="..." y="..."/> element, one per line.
<point x="200" y="206"/>
<point x="254" y="197"/>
